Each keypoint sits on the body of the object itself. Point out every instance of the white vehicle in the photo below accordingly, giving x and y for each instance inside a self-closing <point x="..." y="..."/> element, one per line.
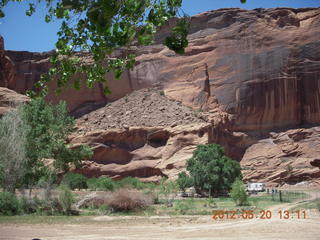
<point x="256" y="187"/>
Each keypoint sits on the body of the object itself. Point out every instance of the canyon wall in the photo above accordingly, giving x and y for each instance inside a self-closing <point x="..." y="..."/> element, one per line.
<point x="248" y="72"/>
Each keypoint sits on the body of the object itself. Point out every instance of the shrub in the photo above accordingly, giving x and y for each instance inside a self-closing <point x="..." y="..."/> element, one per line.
<point x="12" y="149"/>
<point x="184" y="206"/>
<point x="9" y="204"/>
<point x="168" y="189"/>
<point x="42" y="182"/>
<point x="238" y="193"/>
<point x="127" y="200"/>
<point x="27" y="205"/>
<point x="184" y="181"/>
<point x="105" y="183"/>
<point x="131" y="182"/>
<point x="48" y="207"/>
<point x="65" y="199"/>
<point x="211" y="202"/>
<point x="211" y="170"/>
<point x="75" y="180"/>
<point x="92" y="183"/>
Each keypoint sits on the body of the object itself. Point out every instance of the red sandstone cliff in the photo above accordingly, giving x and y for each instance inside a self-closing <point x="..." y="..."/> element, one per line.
<point x="250" y="72"/>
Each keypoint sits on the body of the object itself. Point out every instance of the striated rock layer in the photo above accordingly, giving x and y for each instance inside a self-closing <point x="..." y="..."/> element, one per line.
<point x="287" y="157"/>
<point x="148" y="153"/>
<point x="249" y="72"/>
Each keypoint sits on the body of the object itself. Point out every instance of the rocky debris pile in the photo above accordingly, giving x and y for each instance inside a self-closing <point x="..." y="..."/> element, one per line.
<point x="142" y="108"/>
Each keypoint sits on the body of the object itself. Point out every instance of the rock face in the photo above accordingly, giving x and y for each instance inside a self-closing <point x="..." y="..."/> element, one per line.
<point x="287" y="157"/>
<point x="148" y="153"/>
<point x="249" y="72"/>
<point x="28" y="69"/>
<point x="144" y="134"/>
<point x="10" y="99"/>
<point x="261" y="66"/>
<point x="7" y="71"/>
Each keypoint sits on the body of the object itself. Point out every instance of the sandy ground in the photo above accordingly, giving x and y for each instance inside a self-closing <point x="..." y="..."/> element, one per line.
<point x="183" y="227"/>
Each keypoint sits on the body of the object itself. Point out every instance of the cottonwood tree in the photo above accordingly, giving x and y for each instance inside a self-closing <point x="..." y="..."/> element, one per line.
<point x="34" y="132"/>
<point x="211" y="171"/>
<point x="49" y="127"/>
<point x="99" y="27"/>
<point x="13" y="129"/>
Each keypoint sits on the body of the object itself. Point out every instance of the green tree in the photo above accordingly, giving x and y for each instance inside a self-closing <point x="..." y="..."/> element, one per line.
<point x="13" y="130"/>
<point x="49" y="127"/>
<point x="75" y="181"/>
<point x="238" y="193"/>
<point x="184" y="181"/>
<point x="211" y="170"/>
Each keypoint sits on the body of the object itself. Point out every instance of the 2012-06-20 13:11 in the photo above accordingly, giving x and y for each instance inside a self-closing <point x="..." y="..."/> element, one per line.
<point x="262" y="214"/>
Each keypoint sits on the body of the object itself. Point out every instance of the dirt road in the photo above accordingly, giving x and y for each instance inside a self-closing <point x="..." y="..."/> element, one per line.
<point x="169" y="228"/>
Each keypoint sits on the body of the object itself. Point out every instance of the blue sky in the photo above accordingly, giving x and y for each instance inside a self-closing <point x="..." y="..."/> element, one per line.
<point x="33" y="34"/>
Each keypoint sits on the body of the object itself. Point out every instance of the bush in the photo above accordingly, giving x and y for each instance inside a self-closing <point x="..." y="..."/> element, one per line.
<point x="65" y="199"/>
<point x="184" y="181"/>
<point x="75" y="181"/>
<point x="168" y="189"/>
<point x="211" y="170"/>
<point x="238" y="193"/>
<point x="131" y="182"/>
<point x="28" y="206"/>
<point x="127" y="200"/>
<point x="105" y="183"/>
<point x="49" y="207"/>
<point x="9" y="204"/>
<point x="184" y="206"/>
<point x="41" y="207"/>
<point x="12" y="149"/>
<point x="92" y="183"/>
